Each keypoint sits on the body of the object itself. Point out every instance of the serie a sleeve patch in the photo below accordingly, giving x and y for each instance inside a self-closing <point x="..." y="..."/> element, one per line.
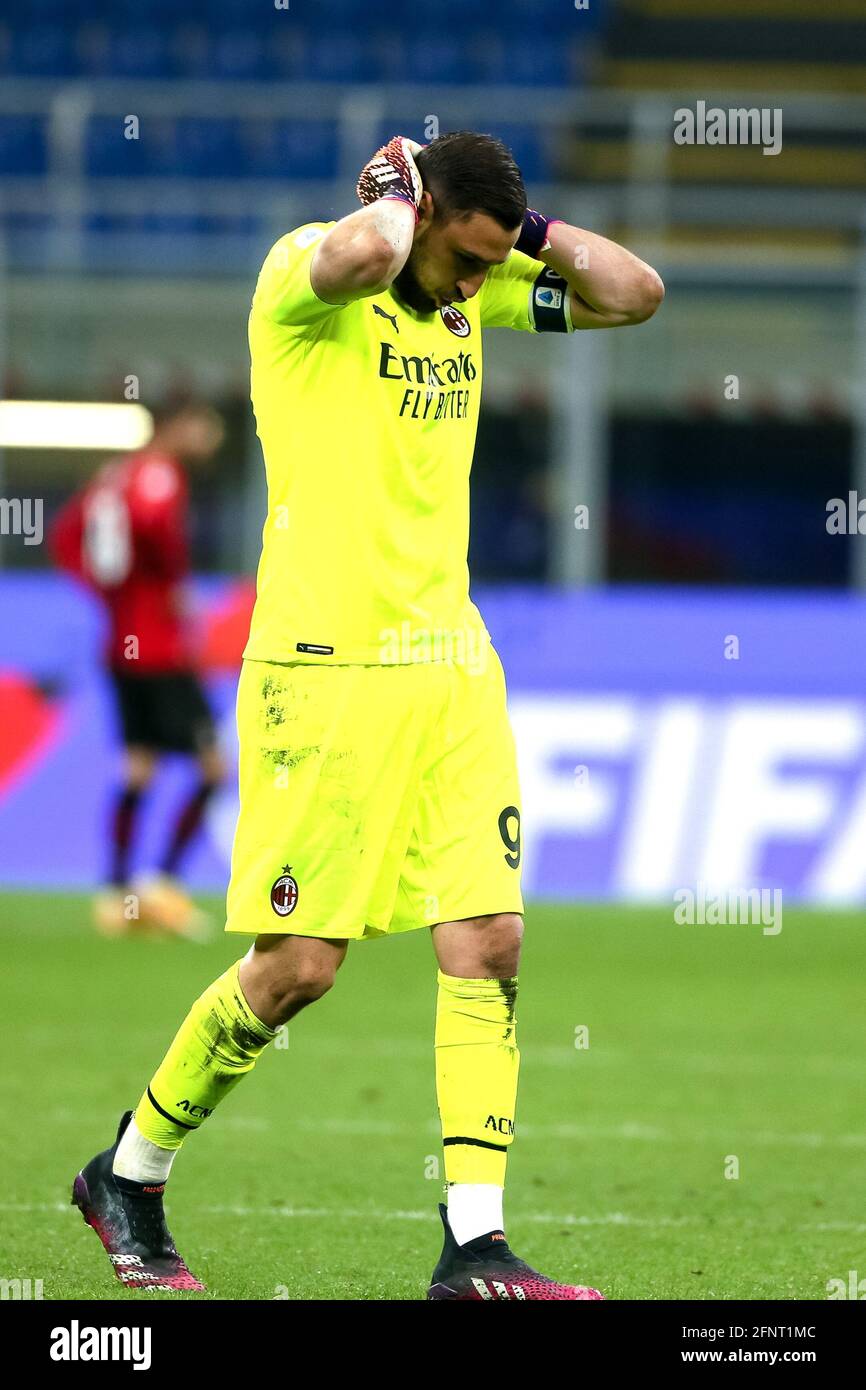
<point x="548" y="303"/>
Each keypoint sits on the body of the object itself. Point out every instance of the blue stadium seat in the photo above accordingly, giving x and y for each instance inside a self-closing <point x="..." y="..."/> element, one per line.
<point x="141" y="51"/>
<point x="191" y="49"/>
<point x="171" y="224"/>
<point x="235" y="14"/>
<point x="109" y="154"/>
<point x="286" y="54"/>
<point x="543" y="62"/>
<point x="56" y="13"/>
<point x="311" y="148"/>
<point x="487" y="56"/>
<point x="264" y="152"/>
<point x="126" y="223"/>
<point x="524" y="144"/>
<point x="559" y="17"/>
<point x="436" y="57"/>
<point x="341" y="57"/>
<point x="26" y="236"/>
<point x="239" y="54"/>
<point x="456" y="16"/>
<point x="208" y="148"/>
<point x="22" y="145"/>
<point x="158" y="14"/>
<point x="343" y="14"/>
<point x="42" y="50"/>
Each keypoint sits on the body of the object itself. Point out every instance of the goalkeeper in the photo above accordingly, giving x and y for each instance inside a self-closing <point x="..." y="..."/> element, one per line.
<point x="378" y="782"/>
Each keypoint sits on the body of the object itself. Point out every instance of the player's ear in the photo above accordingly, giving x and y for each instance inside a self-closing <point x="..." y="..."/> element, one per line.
<point x="426" y="210"/>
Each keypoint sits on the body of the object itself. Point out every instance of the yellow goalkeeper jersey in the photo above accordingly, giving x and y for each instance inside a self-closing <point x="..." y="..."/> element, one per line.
<point x="367" y="415"/>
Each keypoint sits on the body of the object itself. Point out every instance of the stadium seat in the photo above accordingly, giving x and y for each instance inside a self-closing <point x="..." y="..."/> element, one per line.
<point x="237" y="14"/>
<point x="141" y="51"/>
<point x="534" y="17"/>
<point x="26" y="237"/>
<point x="340" y="57"/>
<point x="57" y="13"/>
<point x="524" y="143"/>
<point x="311" y="148"/>
<point x="436" y="57"/>
<point x="109" y="154"/>
<point x="207" y="148"/>
<point x="389" y="51"/>
<point x="42" y="50"/>
<point x="22" y="145"/>
<point x="191" y="49"/>
<point x="239" y="54"/>
<point x="282" y="150"/>
<point x="127" y="14"/>
<point x="543" y="63"/>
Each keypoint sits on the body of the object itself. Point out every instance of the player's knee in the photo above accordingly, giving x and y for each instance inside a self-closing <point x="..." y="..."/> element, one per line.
<point x="302" y="984"/>
<point x="500" y="945"/>
<point x="311" y="981"/>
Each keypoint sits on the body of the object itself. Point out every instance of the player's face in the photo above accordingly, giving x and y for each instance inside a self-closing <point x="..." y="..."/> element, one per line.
<point x="449" y="260"/>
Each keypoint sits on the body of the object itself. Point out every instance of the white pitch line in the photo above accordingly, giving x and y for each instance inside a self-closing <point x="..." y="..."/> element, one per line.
<point x="627" y="1130"/>
<point x="615" y="1218"/>
<point x="566" y="1055"/>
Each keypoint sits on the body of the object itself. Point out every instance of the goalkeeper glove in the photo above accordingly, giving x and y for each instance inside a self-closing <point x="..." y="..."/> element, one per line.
<point x="533" y="234"/>
<point x="392" y="173"/>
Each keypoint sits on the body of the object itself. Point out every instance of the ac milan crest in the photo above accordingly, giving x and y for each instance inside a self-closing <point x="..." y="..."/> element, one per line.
<point x="453" y="319"/>
<point x="284" y="894"/>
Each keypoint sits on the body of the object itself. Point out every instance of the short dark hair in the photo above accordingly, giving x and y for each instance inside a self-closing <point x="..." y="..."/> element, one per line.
<point x="466" y="172"/>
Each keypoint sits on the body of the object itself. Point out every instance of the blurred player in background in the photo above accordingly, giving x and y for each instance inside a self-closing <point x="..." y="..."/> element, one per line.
<point x="401" y="806"/>
<point x="125" y="534"/>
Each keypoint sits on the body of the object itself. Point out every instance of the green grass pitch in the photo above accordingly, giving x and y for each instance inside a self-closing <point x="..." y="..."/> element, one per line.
<point x="317" y="1179"/>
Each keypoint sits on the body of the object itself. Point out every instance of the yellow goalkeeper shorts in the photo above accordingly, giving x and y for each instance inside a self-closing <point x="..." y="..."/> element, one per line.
<point x="373" y="799"/>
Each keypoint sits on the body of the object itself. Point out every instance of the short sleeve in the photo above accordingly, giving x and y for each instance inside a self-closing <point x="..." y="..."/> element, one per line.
<point x="283" y="291"/>
<point x="525" y="294"/>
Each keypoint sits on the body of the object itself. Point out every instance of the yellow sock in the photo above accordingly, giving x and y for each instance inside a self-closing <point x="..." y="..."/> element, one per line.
<point x="218" y="1042"/>
<point x="477" y="1062"/>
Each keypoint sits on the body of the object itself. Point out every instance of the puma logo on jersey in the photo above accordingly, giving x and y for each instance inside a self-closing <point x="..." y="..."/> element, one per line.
<point x="392" y="318"/>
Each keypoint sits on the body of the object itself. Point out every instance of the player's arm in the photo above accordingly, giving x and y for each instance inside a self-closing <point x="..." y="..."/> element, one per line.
<point x="363" y="253"/>
<point x="609" y="287"/>
<point x="315" y="271"/>
<point x="560" y="278"/>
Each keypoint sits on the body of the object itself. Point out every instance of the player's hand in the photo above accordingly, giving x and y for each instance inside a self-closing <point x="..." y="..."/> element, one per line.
<point x="392" y="173"/>
<point x="533" y="234"/>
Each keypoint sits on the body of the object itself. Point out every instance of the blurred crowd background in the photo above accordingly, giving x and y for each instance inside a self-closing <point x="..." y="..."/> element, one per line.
<point x="150" y="154"/>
